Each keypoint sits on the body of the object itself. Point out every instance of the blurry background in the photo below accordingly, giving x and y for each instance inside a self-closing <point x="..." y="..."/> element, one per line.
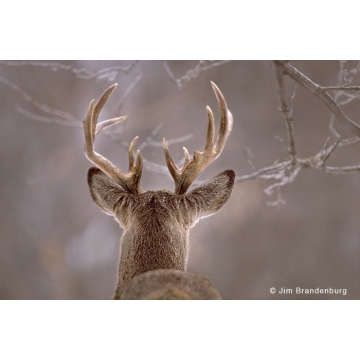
<point x="55" y="243"/>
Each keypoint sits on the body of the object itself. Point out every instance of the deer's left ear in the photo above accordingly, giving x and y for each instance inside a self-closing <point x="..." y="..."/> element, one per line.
<point x="104" y="191"/>
<point x="210" y="196"/>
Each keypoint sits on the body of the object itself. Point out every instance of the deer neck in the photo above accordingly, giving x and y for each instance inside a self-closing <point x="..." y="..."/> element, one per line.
<point x="149" y="248"/>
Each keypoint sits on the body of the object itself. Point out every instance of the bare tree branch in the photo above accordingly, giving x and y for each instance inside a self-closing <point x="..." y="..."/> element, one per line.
<point x="59" y="116"/>
<point x="48" y="120"/>
<point x="65" y="118"/>
<point x="194" y="72"/>
<point x="108" y="73"/>
<point x="342" y="87"/>
<point x="128" y="91"/>
<point x="278" y="202"/>
<point x="286" y="111"/>
<point x="264" y="171"/>
<point x="342" y="170"/>
<point x="277" y="175"/>
<point x="321" y="93"/>
<point x="285" y="172"/>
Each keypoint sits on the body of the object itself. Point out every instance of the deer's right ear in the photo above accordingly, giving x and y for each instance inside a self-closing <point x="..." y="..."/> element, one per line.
<point x="104" y="191"/>
<point x="207" y="198"/>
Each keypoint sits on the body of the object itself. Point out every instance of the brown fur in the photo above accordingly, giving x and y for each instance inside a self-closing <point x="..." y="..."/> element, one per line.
<point x="156" y="224"/>
<point x="170" y="285"/>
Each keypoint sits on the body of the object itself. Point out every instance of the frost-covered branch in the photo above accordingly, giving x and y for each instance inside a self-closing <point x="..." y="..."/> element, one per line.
<point x="283" y="173"/>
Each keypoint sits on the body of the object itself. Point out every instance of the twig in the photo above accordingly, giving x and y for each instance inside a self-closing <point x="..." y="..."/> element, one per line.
<point x="278" y="202"/>
<point x="48" y="120"/>
<point x="342" y="87"/>
<point x="342" y="169"/>
<point x="249" y="156"/>
<point x="286" y="111"/>
<point x="59" y="116"/>
<point x="266" y="170"/>
<point x="194" y="72"/>
<point x="81" y="73"/>
<point x="285" y="179"/>
<point x="65" y="118"/>
<point x="127" y="92"/>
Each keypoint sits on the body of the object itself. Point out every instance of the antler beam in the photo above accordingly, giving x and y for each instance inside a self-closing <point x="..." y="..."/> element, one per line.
<point x="191" y="169"/>
<point x="130" y="182"/>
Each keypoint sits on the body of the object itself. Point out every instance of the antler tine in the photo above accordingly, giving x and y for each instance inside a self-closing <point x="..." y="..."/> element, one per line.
<point x="130" y="181"/>
<point x="226" y="121"/>
<point x="210" y="136"/>
<point x="191" y="169"/>
<point x="135" y="168"/>
<point x="106" y="123"/>
<point x="101" y="103"/>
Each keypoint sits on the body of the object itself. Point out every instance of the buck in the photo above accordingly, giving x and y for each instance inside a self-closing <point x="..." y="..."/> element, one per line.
<point x="155" y="241"/>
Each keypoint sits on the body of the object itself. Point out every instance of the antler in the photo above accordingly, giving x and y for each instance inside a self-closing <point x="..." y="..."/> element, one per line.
<point x="129" y="182"/>
<point x="191" y="169"/>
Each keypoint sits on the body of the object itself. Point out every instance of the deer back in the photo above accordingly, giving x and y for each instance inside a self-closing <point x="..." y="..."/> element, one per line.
<point x="170" y="285"/>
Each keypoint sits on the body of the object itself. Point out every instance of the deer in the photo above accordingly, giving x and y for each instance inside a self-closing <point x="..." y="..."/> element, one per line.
<point x="154" y="247"/>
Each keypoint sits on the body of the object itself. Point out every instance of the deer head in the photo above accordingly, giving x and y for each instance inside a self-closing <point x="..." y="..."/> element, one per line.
<point x="156" y="223"/>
